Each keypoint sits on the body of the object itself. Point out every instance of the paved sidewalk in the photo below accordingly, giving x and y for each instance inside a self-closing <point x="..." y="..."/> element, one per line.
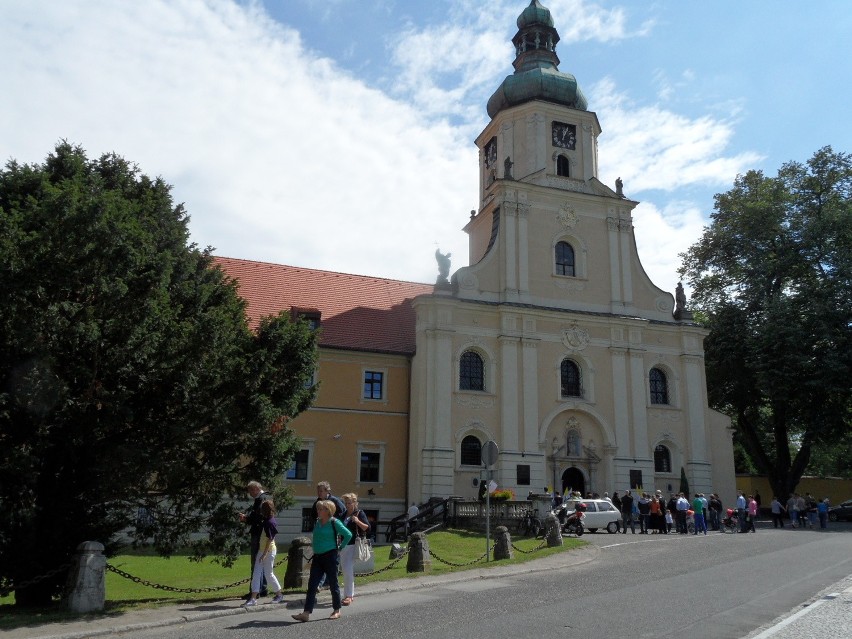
<point x="170" y="615"/>
<point x="827" y="616"/>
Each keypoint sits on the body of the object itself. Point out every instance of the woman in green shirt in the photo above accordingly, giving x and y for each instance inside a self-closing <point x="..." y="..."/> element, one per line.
<point x="330" y="535"/>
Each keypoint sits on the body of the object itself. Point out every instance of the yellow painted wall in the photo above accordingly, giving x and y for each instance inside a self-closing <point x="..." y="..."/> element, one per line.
<point x="837" y="490"/>
<point x="341" y="420"/>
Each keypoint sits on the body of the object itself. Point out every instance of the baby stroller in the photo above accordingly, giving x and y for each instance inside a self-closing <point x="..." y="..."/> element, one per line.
<point x="730" y="523"/>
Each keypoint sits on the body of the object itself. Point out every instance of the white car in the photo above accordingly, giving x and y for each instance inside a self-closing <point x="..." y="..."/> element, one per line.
<point x="600" y="513"/>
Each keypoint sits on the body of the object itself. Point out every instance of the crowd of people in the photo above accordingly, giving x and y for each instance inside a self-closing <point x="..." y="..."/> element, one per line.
<point x="654" y="514"/>
<point x="337" y="524"/>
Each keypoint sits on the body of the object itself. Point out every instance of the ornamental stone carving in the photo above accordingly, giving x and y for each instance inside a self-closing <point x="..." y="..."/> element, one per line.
<point x="477" y="403"/>
<point x="567" y="216"/>
<point x="575" y="338"/>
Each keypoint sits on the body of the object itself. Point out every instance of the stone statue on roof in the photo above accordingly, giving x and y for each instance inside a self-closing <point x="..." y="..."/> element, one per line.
<point x="443" y="266"/>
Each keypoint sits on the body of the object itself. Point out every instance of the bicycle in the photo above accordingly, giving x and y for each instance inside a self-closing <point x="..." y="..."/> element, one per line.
<point x="530" y="525"/>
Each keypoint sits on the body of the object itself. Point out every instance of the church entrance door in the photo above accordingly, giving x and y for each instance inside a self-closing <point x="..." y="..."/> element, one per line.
<point x="572" y="479"/>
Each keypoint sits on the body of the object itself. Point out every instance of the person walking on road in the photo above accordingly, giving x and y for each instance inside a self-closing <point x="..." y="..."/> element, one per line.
<point x="777" y="512"/>
<point x="252" y="518"/>
<point x="327" y="531"/>
<point x="627" y="512"/>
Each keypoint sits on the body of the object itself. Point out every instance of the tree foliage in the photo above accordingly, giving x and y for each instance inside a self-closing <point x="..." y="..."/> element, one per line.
<point x="130" y="382"/>
<point x="772" y="274"/>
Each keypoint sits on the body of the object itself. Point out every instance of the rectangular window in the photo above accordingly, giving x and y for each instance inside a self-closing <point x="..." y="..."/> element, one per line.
<point x="523" y="475"/>
<point x="635" y="479"/>
<point x="299" y="469"/>
<point x="369" y="471"/>
<point x="373" y="385"/>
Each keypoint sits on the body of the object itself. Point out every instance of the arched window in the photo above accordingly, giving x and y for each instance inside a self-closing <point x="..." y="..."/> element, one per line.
<point x="471" y="451"/>
<point x="573" y="443"/>
<point x="659" y="387"/>
<point x="570" y="375"/>
<point x="471" y="372"/>
<point x="564" y="259"/>
<point x="562" y="167"/>
<point x="662" y="460"/>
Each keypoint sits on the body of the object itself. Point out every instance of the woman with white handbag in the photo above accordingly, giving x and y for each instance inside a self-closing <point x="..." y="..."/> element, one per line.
<point x="356" y="521"/>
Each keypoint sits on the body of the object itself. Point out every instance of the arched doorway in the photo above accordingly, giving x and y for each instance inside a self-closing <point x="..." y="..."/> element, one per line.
<point x="573" y="479"/>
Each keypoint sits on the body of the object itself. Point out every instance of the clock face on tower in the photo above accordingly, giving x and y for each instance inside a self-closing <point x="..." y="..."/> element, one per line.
<point x="564" y="135"/>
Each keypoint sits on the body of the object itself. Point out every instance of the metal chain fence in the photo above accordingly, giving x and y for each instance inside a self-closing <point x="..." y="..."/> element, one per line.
<point x="5" y="591"/>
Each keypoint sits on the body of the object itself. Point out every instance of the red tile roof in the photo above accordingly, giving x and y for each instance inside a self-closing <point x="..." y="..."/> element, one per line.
<point x="358" y="311"/>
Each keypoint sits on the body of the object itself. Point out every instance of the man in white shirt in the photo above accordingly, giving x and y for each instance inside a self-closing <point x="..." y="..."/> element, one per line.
<point x="413" y="511"/>
<point x="741" y="510"/>
<point x="681" y="506"/>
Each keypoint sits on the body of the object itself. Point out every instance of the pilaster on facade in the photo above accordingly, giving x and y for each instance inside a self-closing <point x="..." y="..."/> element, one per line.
<point x="639" y="403"/>
<point x="695" y="403"/>
<point x="509" y="389"/>
<point x="439" y="388"/>
<point x="620" y="401"/>
<point x="529" y="385"/>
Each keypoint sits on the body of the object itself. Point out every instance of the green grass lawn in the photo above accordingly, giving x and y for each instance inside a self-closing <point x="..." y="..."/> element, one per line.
<point x="452" y="546"/>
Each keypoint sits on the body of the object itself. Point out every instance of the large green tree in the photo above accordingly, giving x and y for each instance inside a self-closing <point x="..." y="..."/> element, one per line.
<point x="773" y="275"/>
<point x="130" y="381"/>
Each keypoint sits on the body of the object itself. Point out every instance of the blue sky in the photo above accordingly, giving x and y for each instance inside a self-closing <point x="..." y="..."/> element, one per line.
<point x="339" y="134"/>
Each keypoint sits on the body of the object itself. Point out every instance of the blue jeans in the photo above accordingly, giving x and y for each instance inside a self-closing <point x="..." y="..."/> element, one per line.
<point x="324" y="565"/>
<point x="700" y="526"/>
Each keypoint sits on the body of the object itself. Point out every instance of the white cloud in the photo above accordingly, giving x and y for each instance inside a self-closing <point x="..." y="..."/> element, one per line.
<point x="650" y="147"/>
<point x="662" y="234"/>
<point x="277" y="157"/>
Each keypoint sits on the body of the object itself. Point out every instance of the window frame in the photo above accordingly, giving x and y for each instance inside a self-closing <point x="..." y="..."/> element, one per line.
<point x="468" y="437"/>
<point x="370" y="447"/>
<point x="462" y="376"/>
<point x="658" y="388"/>
<point x="560" y="265"/>
<point x="308" y="445"/>
<point x="383" y="384"/>
<point x="566" y="363"/>
<point x="667" y="458"/>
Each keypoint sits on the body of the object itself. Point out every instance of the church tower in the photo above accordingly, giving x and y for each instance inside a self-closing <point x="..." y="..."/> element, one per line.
<point x="554" y="343"/>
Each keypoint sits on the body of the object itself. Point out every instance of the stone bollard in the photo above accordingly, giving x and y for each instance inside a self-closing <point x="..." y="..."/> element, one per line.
<point x="553" y="531"/>
<point x="298" y="571"/>
<point x="419" y="559"/>
<point x="502" y="543"/>
<point x="396" y="551"/>
<point x="86" y="580"/>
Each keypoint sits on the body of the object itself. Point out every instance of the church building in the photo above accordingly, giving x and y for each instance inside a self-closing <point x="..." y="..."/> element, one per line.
<point x="553" y="343"/>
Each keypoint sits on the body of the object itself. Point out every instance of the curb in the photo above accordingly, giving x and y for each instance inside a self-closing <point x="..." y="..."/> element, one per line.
<point x="173" y="617"/>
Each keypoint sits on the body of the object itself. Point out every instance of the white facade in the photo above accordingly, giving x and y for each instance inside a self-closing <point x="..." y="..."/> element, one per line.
<point x="523" y="308"/>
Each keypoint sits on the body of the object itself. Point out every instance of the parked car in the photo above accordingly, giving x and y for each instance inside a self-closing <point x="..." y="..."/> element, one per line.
<point x="600" y="513"/>
<point x="843" y="512"/>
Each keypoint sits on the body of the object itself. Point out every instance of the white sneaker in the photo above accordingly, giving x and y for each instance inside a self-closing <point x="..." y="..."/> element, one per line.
<point x="250" y="603"/>
<point x="278" y="598"/>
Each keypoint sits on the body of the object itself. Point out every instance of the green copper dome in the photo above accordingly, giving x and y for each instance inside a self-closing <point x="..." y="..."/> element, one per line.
<point x="537" y="75"/>
<point x="535" y="14"/>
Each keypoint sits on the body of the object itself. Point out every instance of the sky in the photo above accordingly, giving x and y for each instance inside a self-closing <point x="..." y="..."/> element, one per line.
<point x="338" y="134"/>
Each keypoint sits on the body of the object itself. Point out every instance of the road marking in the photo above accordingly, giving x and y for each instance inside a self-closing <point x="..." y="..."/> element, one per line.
<point x="783" y="624"/>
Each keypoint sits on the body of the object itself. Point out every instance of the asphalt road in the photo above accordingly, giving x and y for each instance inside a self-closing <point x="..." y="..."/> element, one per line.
<point x="652" y="586"/>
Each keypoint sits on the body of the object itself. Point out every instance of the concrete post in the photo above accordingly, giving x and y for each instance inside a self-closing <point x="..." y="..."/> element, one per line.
<point x="502" y="543"/>
<point x="86" y="580"/>
<point x="553" y="531"/>
<point x="297" y="564"/>
<point x="419" y="559"/>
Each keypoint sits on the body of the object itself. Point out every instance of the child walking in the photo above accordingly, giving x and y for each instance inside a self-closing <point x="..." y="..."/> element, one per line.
<point x="266" y="556"/>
